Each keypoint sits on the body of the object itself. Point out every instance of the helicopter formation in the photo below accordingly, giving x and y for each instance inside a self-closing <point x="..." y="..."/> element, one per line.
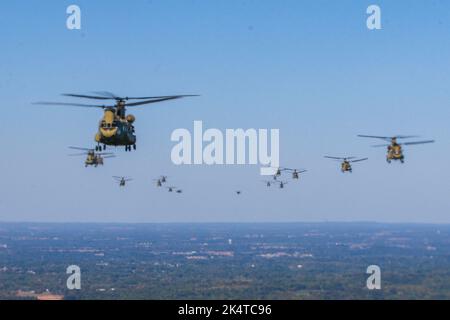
<point x="116" y="128"/>
<point x="161" y="180"/>
<point x="295" y="175"/>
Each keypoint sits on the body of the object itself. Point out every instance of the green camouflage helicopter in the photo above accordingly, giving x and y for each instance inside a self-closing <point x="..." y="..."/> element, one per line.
<point x="122" y="180"/>
<point x="116" y="128"/>
<point x="346" y="162"/>
<point x="394" y="148"/>
<point x="92" y="158"/>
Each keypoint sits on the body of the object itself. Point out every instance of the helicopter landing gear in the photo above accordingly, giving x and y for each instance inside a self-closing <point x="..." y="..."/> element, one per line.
<point x="128" y="148"/>
<point x="402" y="160"/>
<point x="388" y="160"/>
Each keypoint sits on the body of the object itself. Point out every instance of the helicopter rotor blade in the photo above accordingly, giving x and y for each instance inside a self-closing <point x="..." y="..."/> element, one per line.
<point x="380" y="145"/>
<point x="358" y="160"/>
<point x="387" y="138"/>
<point x="85" y="96"/>
<point x="418" y="142"/>
<point x="340" y="158"/>
<point x="78" y="148"/>
<point x="376" y="137"/>
<point x="157" y="100"/>
<point x="77" y="154"/>
<point x="405" y="137"/>
<point x="110" y="95"/>
<point x="46" y="103"/>
<point x="106" y="94"/>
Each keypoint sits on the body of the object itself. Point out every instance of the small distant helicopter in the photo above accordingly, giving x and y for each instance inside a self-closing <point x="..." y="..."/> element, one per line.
<point x="160" y="181"/>
<point x="268" y="183"/>
<point x="282" y="184"/>
<point x="163" y="179"/>
<point x="346" y="162"/>
<point x="93" y="158"/>
<point x="116" y="128"/>
<point x="394" y="149"/>
<point x="295" y="172"/>
<point x="174" y="189"/>
<point x="122" y="180"/>
<point x="238" y="192"/>
<point x="277" y="173"/>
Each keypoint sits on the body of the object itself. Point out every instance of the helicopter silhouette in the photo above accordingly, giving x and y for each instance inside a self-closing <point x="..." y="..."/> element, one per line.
<point x="346" y="162"/>
<point x="92" y="158"/>
<point x="116" y="128"/>
<point x="160" y="180"/>
<point x="122" y="180"/>
<point x="394" y="148"/>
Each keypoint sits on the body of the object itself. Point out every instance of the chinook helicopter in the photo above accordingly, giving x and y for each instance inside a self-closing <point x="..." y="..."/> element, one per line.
<point x="282" y="184"/>
<point x="116" y="128"/>
<point x="295" y="172"/>
<point x="268" y="183"/>
<point x="394" y="149"/>
<point x="174" y="189"/>
<point x="93" y="158"/>
<point x="122" y="180"/>
<point x="160" y="181"/>
<point x="346" y="162"/>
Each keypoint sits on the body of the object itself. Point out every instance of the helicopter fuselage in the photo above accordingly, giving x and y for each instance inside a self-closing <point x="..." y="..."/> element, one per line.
<point x="116" y="129"/>
<point x="346" y="166"/>
<point x="395" y="152"/>
<point x="93" y="160"/>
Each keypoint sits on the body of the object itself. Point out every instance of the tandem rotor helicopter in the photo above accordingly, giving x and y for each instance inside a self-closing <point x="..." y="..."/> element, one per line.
<point x="346" y="162"/>
<point x="122" y="180"/>
<point x="93" y="158"/>
<point x="116" y="128"/>
<point x="394" y="149"/>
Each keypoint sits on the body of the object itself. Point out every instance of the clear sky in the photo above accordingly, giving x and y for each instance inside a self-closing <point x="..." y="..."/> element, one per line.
<point x="310" y="68"/>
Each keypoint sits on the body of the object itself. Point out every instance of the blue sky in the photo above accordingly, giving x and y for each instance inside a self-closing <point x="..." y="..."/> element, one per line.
<point x="310" y="68"/>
